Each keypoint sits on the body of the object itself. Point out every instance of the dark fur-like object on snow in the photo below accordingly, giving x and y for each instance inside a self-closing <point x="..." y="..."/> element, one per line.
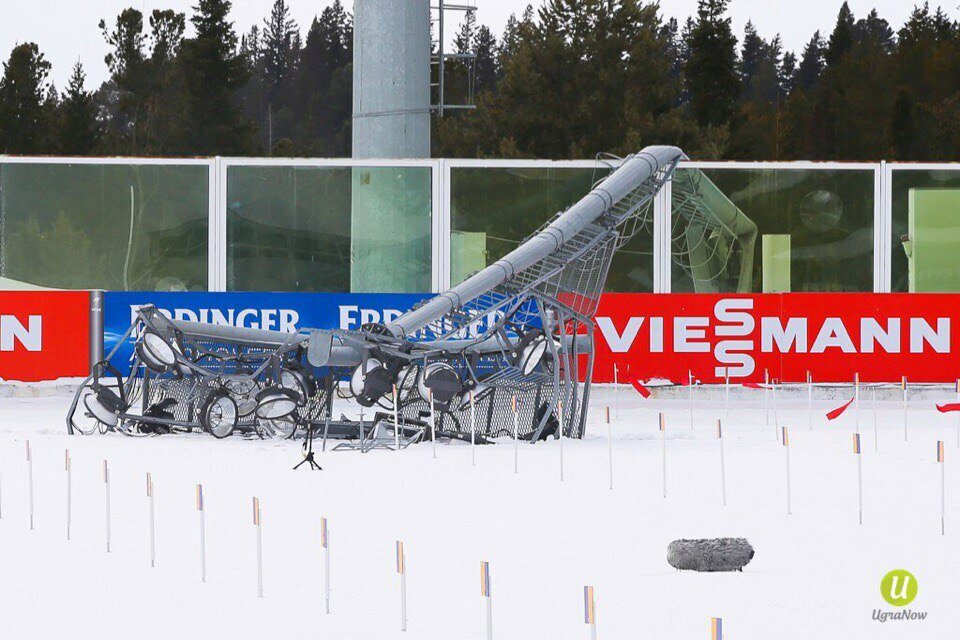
<point x="711" y="554"/>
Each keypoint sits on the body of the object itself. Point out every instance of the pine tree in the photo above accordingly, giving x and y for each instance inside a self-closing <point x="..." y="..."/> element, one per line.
<point x="842" y="38"/>
<point x="711" y="70"/>
<point x="213" y="74"/>
<point x="811" y="63"/>
<point x="79" y="130"/>
<point x="486" y="70"/>
<point x="279" y="30"/>
<point x="27" y="103"/>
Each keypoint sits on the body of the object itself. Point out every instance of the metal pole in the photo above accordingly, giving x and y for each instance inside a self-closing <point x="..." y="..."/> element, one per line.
<point x="96" y="327"/>
<point x="809" y="401"/>
<point x="690" y="381"/>
<point x="106" y="493"/>
<point x="943" y="498"/>
<point x="66" y="465"/>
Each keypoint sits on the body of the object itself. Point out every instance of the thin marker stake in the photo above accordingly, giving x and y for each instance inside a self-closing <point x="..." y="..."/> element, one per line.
<point x="433" y="425"/>
<point x="560" y="435"/>
<point x="723" y="471"/>
<point x="876" y="432"/>
<point x="30" y="482"/>
<point x="726" y="380"/>
<point x="809" y="401"/>
<point x="941" y="458"/>
<point x="516" y="435"/>
<point x="325" y="545"/>
<point x="590" y="612"/>
<point x="153" y="546"/>
<point x="396" y="419"/>
<point x="766" y="397"/>
<point x="616" y="391"/>
<point x="473" y="432"/>
<point x="203" y="535"/>
<point x="903" y="383"/>
<point x="690" y="396"/>
<point x="257" y="522"/>
<point x="66" y="467"/>
<point x="786" y="451"/>
<point x="957" y="393"/>
<point x="486" y="595"/>
<point x="610" y="447"/>
<point x="856" y="398"/>
<point x="663" y="451"/>
<point x="106" y="495"/>
<point x="857" y="452"/>
<point x="402" y="572"/>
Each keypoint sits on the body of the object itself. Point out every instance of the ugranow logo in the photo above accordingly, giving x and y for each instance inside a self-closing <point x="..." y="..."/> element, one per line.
<point x="899" y="588"/>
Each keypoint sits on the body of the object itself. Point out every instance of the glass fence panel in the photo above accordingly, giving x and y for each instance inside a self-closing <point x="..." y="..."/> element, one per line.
<point x="335" y="229"/>
<point x="926" y="230"/>
<point x="104" y="226"/>
<point x="494" y="209"/>
<point x="772" y="230"/>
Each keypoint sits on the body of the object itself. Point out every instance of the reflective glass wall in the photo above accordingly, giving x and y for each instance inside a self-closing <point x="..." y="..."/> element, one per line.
<point x="337" y="229"/>
<point x="772" y="230"/>
<point x="925" y="230"/>
<point x="107" y="226"/>
<point x="493" y="209"/>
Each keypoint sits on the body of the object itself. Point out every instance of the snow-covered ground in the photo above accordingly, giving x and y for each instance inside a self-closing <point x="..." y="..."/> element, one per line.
<point x="816" y="572"/>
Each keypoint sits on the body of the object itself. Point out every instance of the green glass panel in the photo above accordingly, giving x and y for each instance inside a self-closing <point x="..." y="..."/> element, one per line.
<point x="99" y="226"/>
<point x="335" y="229"/>
<point x="933" y="208"/>
<point x="502" y="206"/>
<point x="826" y="216"/>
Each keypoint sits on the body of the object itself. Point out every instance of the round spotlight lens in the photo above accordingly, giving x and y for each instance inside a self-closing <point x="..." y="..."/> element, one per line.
<point x="156" y="352"/>
<point x="275" y="403"/>
<point x="532" y="356"/>
<point x="360" y="374"/>
<point x="440" y="378"/>
<point x="99" y="409"/>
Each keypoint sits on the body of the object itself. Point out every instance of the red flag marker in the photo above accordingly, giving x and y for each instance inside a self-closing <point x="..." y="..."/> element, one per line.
<point x="836" y="413"/>
<point x="642" y="390"/>
<point x="753" y="385"/>
<point x="947" y="408"/>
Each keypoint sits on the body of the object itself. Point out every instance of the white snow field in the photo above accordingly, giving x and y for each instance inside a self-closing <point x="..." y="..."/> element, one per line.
<point x="816" y="572"/>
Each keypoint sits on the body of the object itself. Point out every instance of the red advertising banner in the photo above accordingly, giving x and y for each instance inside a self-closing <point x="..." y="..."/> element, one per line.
<point x="44" y="335"/>
<point x="834" y="336"/>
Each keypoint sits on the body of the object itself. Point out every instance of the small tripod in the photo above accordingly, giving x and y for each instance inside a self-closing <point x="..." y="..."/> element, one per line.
<point x="308" y="448"/>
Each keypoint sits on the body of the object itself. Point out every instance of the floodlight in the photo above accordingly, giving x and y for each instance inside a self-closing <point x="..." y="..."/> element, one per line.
<point x="274" y="403"/>
<point x="155" y="352"/>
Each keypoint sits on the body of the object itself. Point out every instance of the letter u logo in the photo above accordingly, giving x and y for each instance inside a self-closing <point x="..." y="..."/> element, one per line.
<point x="899" y="587"/>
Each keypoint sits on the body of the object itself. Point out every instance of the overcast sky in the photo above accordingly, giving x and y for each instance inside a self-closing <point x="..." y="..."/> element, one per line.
<point x="66" y="30"/>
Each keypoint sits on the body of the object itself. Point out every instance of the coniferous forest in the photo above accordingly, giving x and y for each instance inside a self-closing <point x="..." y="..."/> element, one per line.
<point x="564" y="80"/>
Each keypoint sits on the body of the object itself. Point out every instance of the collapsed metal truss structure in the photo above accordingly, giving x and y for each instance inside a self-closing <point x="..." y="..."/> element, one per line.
<point x="501" y="353"/>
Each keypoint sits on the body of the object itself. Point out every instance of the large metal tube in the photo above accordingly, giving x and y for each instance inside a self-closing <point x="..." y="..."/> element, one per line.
<point x="633" y="172"/>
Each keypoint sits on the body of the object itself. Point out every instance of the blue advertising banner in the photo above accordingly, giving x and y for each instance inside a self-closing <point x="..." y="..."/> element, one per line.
<point x="271" y="311"/>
